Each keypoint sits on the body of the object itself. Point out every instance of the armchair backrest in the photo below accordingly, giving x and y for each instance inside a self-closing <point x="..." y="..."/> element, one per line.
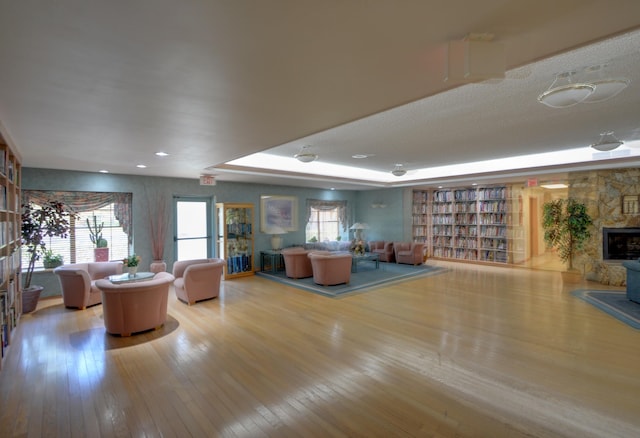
<point x="332" y="268"/>
<point x="181" y="265"/>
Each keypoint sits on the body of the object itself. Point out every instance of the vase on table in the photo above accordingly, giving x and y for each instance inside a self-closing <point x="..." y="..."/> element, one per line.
<point x="132" y="270"/>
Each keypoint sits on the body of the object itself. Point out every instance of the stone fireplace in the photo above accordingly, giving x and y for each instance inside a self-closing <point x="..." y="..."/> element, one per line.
<point x="603" y="191"/>
<point x="621" y="243"/>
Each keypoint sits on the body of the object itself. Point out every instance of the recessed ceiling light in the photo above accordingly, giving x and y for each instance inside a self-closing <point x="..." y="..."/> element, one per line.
<point x="360" y="156"/>
<point x="141" y="166"/>
<point x="554" y="186"/>
<point x="162" y="154"/>
<point x="103" y="171"/>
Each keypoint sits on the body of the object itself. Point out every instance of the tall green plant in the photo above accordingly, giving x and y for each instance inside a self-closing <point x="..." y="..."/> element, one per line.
<point x="39" y="223"/>
<point x="566" y="227"/>
<point x="95" y="233"/>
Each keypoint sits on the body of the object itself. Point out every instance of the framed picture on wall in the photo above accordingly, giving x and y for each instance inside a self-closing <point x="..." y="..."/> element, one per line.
<point x="278" y="212"/>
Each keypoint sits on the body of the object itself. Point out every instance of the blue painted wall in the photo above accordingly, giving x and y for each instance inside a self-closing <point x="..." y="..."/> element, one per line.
<point x="386" y="223"/>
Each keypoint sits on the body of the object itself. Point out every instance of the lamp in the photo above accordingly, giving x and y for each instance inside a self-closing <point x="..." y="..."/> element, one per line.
<point x="358" y="227"/>
<point x="304" y="156"/>
<point x="398" y="170"/>
<point x="606" y="88"/>
<point x="563" y="93"/>
<point x="607" y="142"/>
<point x="276" y="238"/>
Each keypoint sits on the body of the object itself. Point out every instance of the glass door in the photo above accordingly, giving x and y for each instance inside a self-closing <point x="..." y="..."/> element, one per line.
<point x="193" y="225"/>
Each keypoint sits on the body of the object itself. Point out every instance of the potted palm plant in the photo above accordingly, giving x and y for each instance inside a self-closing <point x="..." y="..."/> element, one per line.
<point x="566" y="226"/>
<point x="51" y="219"/>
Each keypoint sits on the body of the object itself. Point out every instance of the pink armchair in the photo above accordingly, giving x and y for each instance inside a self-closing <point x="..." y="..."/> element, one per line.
<point x="296" y="262"/>
<point x="383" y="249"/>
<point x="197" y="279"/>
<point x="331" y="268"/>
<point x="78" y="282"/>
<point x="137" y="306"/>
<point x="411" y="253"/>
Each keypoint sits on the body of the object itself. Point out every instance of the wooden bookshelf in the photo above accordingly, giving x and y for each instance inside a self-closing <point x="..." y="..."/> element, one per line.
<point x="10" y="236"/>
<point x="479" y="224"/>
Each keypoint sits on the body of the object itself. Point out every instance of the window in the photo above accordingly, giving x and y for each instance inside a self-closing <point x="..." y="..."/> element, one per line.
<point x="112" y="211"/>
<point x="323" y="225"/>
<point x="325" y="219"/>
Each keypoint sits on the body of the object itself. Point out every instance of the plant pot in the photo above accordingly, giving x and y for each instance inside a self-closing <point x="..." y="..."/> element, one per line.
<point x="30" y="297"/>
<point x="101" y="254"/>
<point x="158" y="266"/>
<point x="132" y="270"/>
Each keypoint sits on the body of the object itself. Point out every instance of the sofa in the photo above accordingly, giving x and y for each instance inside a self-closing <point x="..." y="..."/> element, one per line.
<point x="633" y="280"/>
<point x="296" y="262"/>
<point x="331" y="268"/>
<point x="384" y="249"/>
<point x="78" y="282"/>
<point x="197" y="279"/>
<point x="135" y="306"/>
<point x="411" y="253"/>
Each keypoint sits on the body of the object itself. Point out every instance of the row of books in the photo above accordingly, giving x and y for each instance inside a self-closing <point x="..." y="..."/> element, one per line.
<point x="239" y="263"/>
<point x="8" y="317"/>
<point x="238" y="229"/>
<point x="7" y="166"/>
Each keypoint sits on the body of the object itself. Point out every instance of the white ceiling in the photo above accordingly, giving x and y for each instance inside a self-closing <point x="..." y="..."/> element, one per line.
<point x="103" y="85"/>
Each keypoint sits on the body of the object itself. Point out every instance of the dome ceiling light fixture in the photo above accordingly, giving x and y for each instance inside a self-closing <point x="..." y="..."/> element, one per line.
<point x="564" y="93"/>
<point x="398" y="170"/>
<point x="304" y="156"/>
<point x="608" y="142"/>
<point x="606" y="88"/>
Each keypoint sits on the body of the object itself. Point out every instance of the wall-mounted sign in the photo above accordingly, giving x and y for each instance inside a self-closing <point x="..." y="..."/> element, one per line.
<point x="207" y="180"/>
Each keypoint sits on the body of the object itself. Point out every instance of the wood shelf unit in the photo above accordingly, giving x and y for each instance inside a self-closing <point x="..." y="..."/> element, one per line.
<point x="235" y="238"/>
<point x="10" y="242"/>
<point x="420" y="217"/>
<point x="479" y="224"/>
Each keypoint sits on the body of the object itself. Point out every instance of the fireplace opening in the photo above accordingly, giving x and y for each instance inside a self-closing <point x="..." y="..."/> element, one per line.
<point x="620" y="243"/>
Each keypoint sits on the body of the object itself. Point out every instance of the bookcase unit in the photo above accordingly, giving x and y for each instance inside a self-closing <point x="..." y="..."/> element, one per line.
<point x="420" y="219"/>
<point x="481" y="224"/>
<point x="235" y="238"/>
<point x="10" y="241"/>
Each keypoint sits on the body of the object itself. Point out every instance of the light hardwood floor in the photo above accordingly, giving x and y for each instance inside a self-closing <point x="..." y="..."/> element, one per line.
<point x="477" y="351"/>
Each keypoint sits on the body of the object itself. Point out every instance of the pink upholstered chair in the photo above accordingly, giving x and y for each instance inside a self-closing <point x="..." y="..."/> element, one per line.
<point x="383" y="249"/>
<point x="77" y="281"/>
<point x="331" y="268"/>
<point x="411" y="253"/>
<point x="135" y="307"/>
<point x="197" y="279"/>
<point x="296" y="262"/>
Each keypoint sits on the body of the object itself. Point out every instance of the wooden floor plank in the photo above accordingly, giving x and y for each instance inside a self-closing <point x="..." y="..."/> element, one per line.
<point x="476" y="351"/>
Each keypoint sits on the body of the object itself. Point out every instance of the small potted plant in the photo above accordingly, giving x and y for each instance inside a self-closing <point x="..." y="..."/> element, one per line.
<point x="51" y="219"/>
<point x="131" y="263"/>
<point x="101" y="251"/>
<point x="51" y="260"/>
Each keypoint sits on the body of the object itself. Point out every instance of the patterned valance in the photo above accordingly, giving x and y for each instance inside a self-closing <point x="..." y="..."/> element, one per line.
<point x="320" y="204"/>
<point x="87" y="201"/>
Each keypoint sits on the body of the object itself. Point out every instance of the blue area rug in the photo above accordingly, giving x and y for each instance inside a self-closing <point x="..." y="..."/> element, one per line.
<point x="615" y="303"/>
<point x="364" y="280"/>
